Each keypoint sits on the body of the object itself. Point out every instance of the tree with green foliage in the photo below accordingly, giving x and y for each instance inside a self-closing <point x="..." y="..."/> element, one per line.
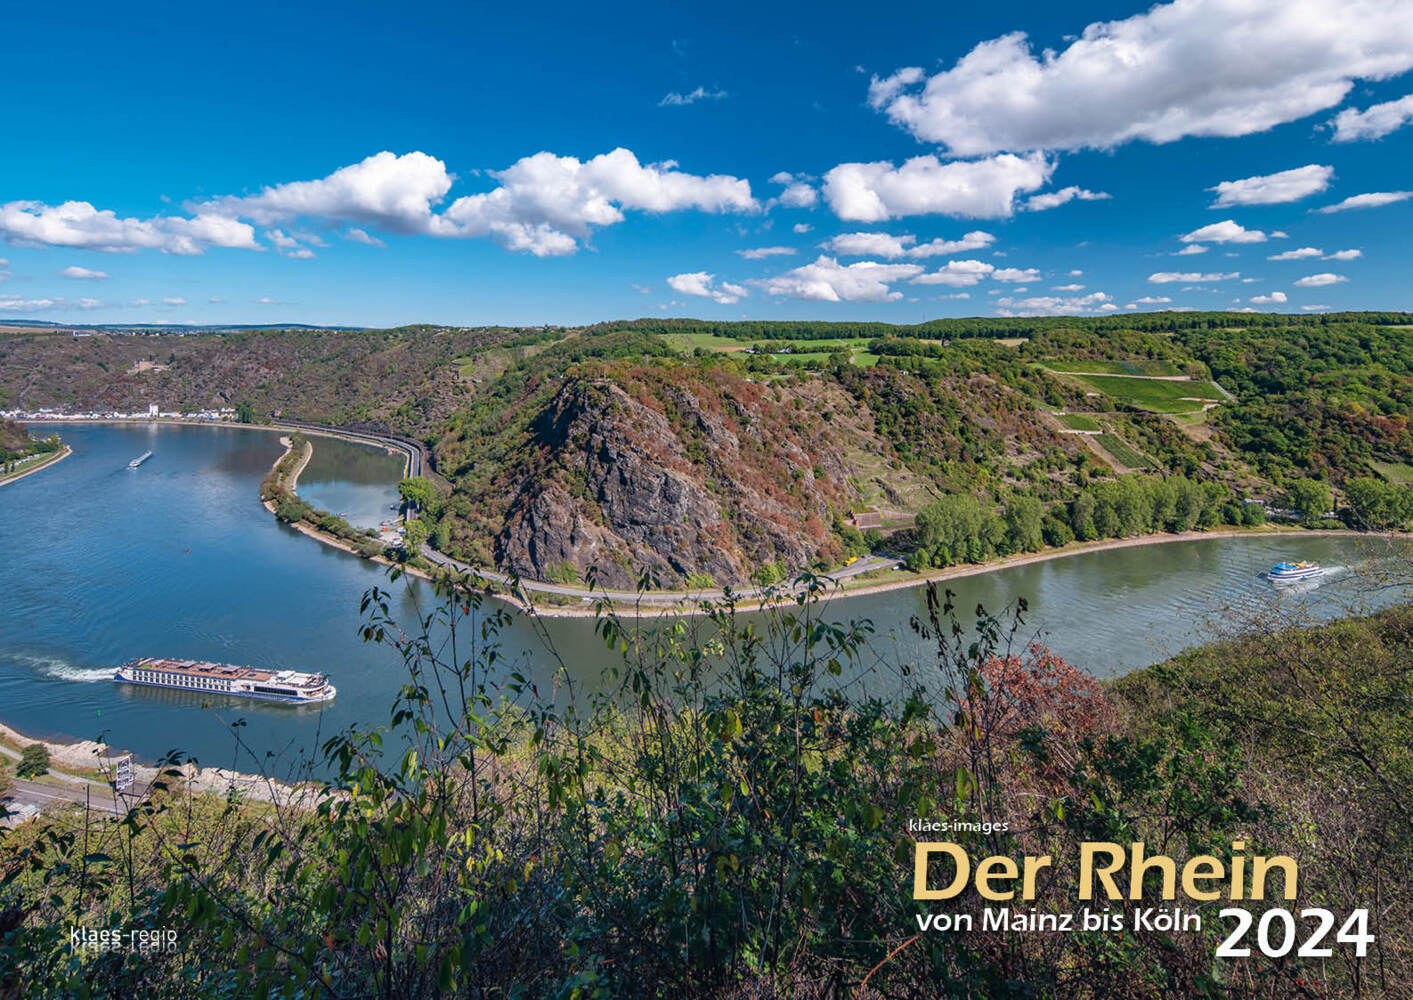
<point x="1056" y="530"/>
<point x="245" y="413"/>
<point x="1311" y="499"/>
<point x="418" y="491"/>
<point x="718" y="819"/>
<point x="1378" y="505"/>
<point x="1025" y="518"/>
<point x="1082" y="516"/>
<point x="292" y="509"/>
<point x="414" y="535"/>
<point x="957" y="529"/>
<point x="34" y="761"/>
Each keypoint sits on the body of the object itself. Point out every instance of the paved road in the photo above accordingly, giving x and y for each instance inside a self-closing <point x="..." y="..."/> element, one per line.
<point x="44" y="796"/>
<point x="418" y="465"/>
<point x="865" y="565"/>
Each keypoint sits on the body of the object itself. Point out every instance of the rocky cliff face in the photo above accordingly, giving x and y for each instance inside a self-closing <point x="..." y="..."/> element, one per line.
<point x="708" y="474"/>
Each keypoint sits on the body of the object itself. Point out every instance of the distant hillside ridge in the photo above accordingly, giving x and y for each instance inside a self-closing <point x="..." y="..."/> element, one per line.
<point x="731" y="452"/>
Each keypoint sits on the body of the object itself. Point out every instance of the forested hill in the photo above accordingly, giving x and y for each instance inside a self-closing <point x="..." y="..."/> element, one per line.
<point x="724" y="452"/>
<point x="404" y="378"/>
<point x="1001" y="327"/>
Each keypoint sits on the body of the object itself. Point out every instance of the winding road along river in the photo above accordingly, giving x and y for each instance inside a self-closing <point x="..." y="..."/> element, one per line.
<point x="178" y="558"/>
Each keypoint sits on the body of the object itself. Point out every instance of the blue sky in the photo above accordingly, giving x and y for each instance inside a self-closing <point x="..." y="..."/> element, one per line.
<point x="571" y="163"/>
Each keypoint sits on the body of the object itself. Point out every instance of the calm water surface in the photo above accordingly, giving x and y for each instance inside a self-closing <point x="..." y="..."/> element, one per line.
<point x="178" y="558"/>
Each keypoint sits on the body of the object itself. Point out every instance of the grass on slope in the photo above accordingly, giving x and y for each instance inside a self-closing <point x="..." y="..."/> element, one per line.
<point x="1154" y="394"/>
<point x="1123" y="451"/>
<point x="1140" y="367"/>
<point x="1394" y="472"/>
<point x="1078" y="422"/>
<point x="802" y="350"/>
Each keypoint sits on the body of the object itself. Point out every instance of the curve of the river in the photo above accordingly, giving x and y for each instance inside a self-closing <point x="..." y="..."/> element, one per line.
<point x="178" y="558"/>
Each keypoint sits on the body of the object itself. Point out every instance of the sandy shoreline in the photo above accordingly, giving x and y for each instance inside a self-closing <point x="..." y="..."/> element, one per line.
<point x="69" y="762"/>
<point x="1083" y="548"/>
<point x="54" y="459"/>
<point x="648" y="609"/>
<point x="1009" y="562"/>
<point x="304" y="528"/>
<point x="841" y="592"/>
<point x="352" y="436"/>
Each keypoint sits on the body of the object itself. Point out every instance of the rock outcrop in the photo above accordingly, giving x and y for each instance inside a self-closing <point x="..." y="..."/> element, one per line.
<point x="706" y="475"/>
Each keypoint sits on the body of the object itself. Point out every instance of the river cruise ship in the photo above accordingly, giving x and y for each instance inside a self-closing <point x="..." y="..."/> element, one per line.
<point x="139" y="460"/>
<point x="1290" y="572"/>
<point x="223" y="678"/>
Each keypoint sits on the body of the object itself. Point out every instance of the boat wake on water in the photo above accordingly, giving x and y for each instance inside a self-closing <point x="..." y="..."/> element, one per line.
<point x="63" y="669"/>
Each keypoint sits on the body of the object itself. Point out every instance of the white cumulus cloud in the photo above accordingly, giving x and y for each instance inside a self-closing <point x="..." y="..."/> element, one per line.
<point x="925" y="185"/>
<point x="15" y="303"/>
<point x="869" y="245"/>
<point x="79" y="225"/>
<point x="957" y="274"/>
<point x="360" y="236"/>
<point x="1373" y="122"/>
<point x="1344" y="255"/>
<point x="84" y="273"/>
<point x="1054" y="199"/>
<point x="974" y="240"/>
<point x="1300" y="253"/>
<point x="393" y="192"/>
<point x="1188" y="68"/>
<point x="1055" y="305"/>
<point x="691" y="97"/>
<point x="1227" y="231"/>
<point x="1016" y="274"/>
<point x="704" y="284"/>
<point x="1274" y="189"/>
<point x="544" y="204"/>
<point x="1320" y="280"/>
<point x="891" y="247"/>
<point x="760" y="253"/>
<point x="1170" y="277"/>
<point x="1272" y="299"/>
<point x="799" y="195"/>
<point x="1374" y="199"/>
<point x="826" y="280"/>
<point x="1190" y="249"/>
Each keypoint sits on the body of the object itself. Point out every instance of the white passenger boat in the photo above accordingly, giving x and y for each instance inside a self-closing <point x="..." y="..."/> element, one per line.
<point x="1291" y="572"/>
<point x="223" y="678"/>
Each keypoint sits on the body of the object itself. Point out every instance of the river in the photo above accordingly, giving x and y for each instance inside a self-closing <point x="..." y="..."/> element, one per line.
<point x="178" y="558"/>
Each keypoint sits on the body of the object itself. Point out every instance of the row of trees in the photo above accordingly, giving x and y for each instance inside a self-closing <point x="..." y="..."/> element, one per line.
<point x="1378" y="505"/>
<point x="1139" y="505"/>
<point x="961" y="528"/>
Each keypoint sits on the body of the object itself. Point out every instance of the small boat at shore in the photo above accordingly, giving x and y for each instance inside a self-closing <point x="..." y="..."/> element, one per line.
<point x="1286" y="572"/>
<point x="139" y="460"/>
<point x="223" y="678"/>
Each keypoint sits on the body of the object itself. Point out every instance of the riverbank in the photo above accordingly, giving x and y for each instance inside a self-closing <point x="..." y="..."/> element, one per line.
<point x="868" y="587"/>
<point x="290" y="481"/>
<point x="386" y="442"/>
<point x="751" y="599"/>
<point x="564" y="601"/>
<point x="53" y="459"/>
<point x="90" y="764"/>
